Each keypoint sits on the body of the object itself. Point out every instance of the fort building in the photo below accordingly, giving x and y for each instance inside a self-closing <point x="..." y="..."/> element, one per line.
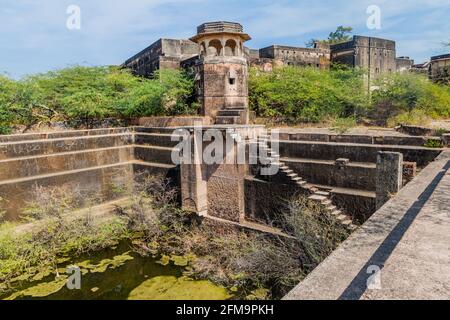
<point x="439" y="70"/>
<point x="220" y="60"/>
<point x="318" y="57"/>
<point x="163" y="54"/>
<point x="377" y="56"/>
<point x="404" y="64"/>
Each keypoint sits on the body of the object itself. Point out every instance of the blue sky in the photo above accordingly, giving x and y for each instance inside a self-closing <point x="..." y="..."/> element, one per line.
<point x="34" y="37"/>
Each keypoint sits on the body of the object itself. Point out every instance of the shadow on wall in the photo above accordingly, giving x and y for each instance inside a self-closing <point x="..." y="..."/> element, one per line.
<point x="359" y="284"/>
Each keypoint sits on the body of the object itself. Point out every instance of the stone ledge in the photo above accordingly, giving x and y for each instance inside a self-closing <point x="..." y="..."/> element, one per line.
<point x="343" y="274"/>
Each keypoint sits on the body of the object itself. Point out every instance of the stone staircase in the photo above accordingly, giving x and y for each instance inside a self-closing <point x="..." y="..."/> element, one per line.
<point x="231" y="116"/>
<point x="269" y="157"/>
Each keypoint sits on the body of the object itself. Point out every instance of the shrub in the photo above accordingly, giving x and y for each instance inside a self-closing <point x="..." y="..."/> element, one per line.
<point x="306" y="94"/>
<point x="85" y="93"/>
<point x="7" y="88"/>
<point x="411" y="98"/>
<point x="414" y="117"/>
<point x="343" y="125"/>
<point x="439" y="132"/>
<point x="434" y="143"/>
<point x="225" y="255"/>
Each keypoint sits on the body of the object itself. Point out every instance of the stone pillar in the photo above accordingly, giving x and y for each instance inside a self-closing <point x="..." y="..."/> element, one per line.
<point x="389" y="176"/>
<point x="194" y="195"/>
<point x="446" y="140"/>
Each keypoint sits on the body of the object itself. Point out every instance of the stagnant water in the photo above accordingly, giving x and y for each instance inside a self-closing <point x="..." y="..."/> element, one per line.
<point x="120" y="274"/>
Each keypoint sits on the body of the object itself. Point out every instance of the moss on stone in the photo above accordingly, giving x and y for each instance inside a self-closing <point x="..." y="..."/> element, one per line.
<point x="173" y="288"/>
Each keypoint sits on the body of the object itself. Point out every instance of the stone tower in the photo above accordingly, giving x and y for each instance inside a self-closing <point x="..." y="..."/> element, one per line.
<point x="222" y="72"/>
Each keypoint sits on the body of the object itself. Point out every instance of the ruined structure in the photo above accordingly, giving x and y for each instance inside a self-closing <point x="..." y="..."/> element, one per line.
<point x="440" y="68"/>
<point x="163" y="54"/>
<point x="374" y="54"/>
<point x="317" y="57"/>
<point x="421" y="68"/>
<point x="345" y="174"/>
<point x="254" y="173"/>
<point x="377" y="56"/>
<point x="404" y="64"/>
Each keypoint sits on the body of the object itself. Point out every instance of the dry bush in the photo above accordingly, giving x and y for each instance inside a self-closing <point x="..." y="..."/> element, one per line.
<point x="225" y="254"/>
<point x="55" y="202"/>
<point x="317" y="232"/>
<point x="151" y="209"/>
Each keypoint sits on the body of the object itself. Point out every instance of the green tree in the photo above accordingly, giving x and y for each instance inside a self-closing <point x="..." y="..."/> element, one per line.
<point x="342" y="34"/>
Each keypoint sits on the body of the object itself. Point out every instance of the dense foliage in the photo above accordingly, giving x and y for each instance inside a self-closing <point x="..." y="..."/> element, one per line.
<point x="307" y="94"/>
<point x="310" y="95"/>
<point x="289" y="94"/>
<point x="93" y="93"/>
<point x="410" y="98"/>
<point x="7" y="88"/>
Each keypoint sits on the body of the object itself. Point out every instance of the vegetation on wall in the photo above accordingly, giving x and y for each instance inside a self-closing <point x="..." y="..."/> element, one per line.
<point x="93" y="93"/>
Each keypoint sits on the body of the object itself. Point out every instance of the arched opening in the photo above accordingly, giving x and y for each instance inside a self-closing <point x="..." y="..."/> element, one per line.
<point x="230" y="48"/>
<point x="214" y="48"/>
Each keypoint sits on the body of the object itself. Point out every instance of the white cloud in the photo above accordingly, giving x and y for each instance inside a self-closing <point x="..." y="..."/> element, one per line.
<point x="112" y="29"/>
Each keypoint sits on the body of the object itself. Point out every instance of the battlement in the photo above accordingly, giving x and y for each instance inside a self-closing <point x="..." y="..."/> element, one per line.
<point x="220" y="26"/>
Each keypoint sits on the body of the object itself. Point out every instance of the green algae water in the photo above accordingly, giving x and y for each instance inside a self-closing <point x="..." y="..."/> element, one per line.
<point x="120" y="274"/>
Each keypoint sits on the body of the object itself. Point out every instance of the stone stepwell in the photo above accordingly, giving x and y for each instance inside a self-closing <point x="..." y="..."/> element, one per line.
<point x="341" y="177"/>
<point x="345" y="166"/>
<point x="90" y="161"/>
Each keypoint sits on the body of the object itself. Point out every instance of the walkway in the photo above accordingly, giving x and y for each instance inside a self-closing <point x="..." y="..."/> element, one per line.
<point x="407" y="242"/>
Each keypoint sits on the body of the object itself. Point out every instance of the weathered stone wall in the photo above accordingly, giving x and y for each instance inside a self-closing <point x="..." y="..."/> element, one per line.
<point x="162" y="54"/>
<point x="329" y="173"/>
<point x="222" y="85"/>
<point x="90" y="184"/>
<point x="215" y="190"/>
<point x="265" y="201"/>
<point x="359" y="205"/>
<point x="296" y="56"/>
<point x="440" y="68"/>
<point x="403" y="64"/>
<point x="355" y="152"/>
<point x="94" y="164"/>
<point x="373" y="54"/>
<point x="161" y="122"/>
<point x="419" y="140"/>
<point x="419" y="131"/>
<point x="389" y="176"/>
